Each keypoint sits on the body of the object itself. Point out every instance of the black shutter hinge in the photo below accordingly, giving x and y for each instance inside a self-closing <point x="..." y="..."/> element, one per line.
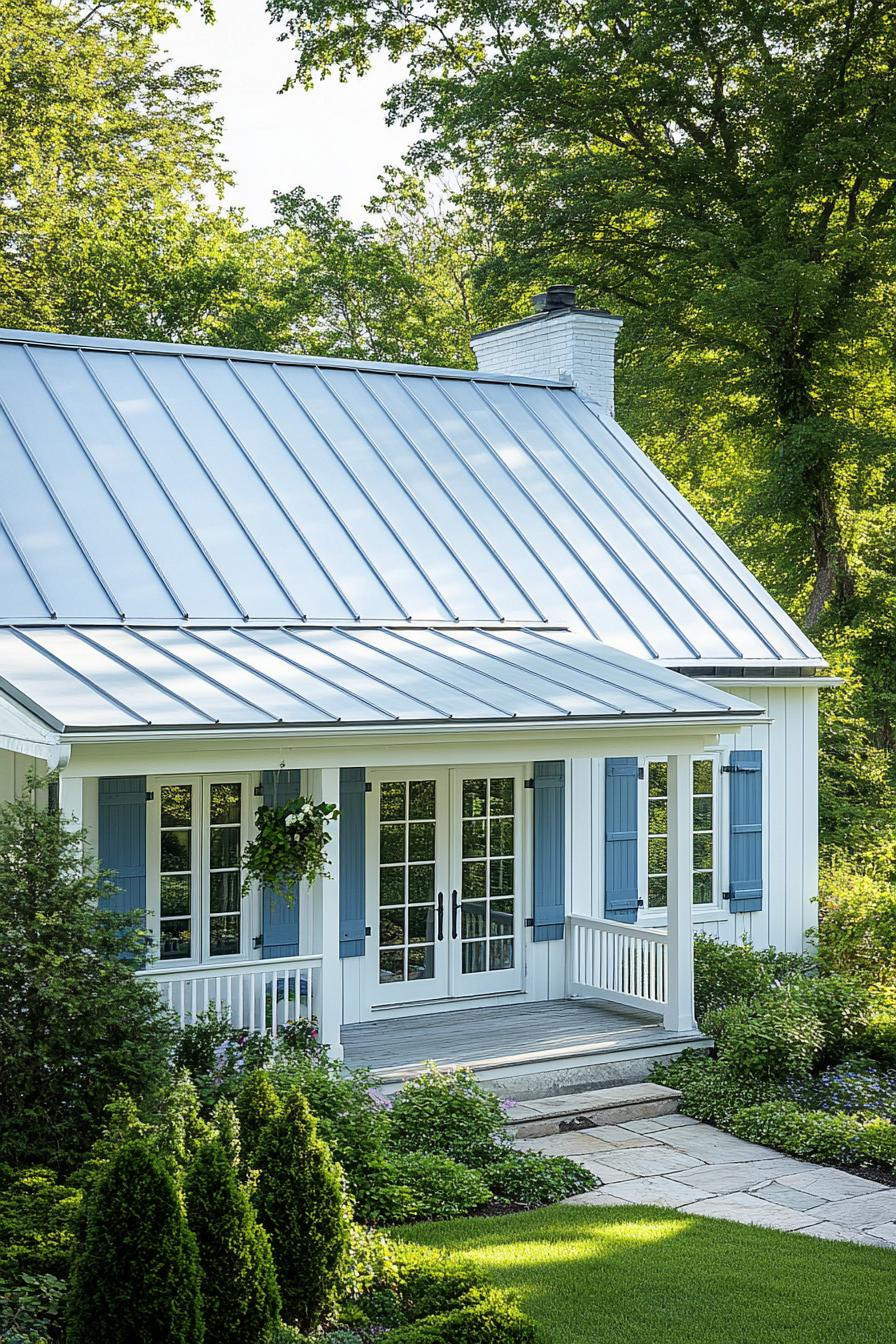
<point x="640" y="772"/>
<point x="640" y="905"/>
<point x="367" y="931"/>
<point x="530" y="922"/>
<point x="149" y="795"/>
<point x="258" y="790"/>
<point x="726" y="895"/>
<point x="258" y="940"/>
<point x="529" y="783"/>
<point x="367" y="786"/>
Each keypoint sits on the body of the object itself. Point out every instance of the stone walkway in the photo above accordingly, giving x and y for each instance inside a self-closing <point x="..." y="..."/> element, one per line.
<point x="679" y="1163"/>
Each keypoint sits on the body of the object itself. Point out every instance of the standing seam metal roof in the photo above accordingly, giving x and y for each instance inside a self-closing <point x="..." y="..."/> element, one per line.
<point x="151" y="483"/>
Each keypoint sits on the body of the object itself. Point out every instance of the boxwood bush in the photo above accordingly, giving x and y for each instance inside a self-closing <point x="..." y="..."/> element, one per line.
<point x="448" y="1113"/>
<point x="532" y="1179"/>
<point x="435" y="1186"/>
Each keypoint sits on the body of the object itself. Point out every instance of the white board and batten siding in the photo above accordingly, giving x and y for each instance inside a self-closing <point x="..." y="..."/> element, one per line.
<point x="789" y="744"/>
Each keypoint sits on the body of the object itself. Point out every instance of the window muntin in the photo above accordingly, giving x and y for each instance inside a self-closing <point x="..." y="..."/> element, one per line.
<point x="703" y="816"/>
<point x="407" y="870"/>
<point x="488" y="890"/>
<point x="657" y="834"/>
<point x="176" y="872"/>
<point x="225" y="837"/>
<point x="704" y="845"/>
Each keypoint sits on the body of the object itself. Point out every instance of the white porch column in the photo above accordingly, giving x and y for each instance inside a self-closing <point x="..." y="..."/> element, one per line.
<point x="679" y="1013"/>
<point x="71" y="800"/>
<point x="325" y="789"/>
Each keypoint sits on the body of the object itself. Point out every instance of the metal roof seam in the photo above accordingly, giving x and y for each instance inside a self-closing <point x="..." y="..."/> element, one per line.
<point x="318" y="676"/>
<point x="101" y="476"/>
<point x="336" y="657"/>
<point x="645" y="675"/>
<point x="403" y="662"/>
<point x="527" y="597"/>
<point x="138" y="672"/>
<point x="24" y="562"/>
<point x="601" y="540"/>
<point x="583" y="617"/>
<point x="262" y="676"/>
<point x="458" y="662"/>
<point x="359" y="485"/>
<point x="638" y="537"/>
<point x="70" y="527"/>
<point x="593" y="676"/>
<point x="609" y="424"/>
<point x="213" y="482"/>
<point x="79" y="676"/>
<point x="203" y="675"/>
<point x="188" y="527"/>
<point x="408" y="493"/>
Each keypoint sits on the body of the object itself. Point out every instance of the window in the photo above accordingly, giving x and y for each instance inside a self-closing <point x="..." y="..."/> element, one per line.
<point x="200" y="827"/>
<point x="704" y="832"/>
<point x="487" y="876"/>
<point x="703" y="816"/>
<point x="657" y="834"/>
<point x="407" y="863"/>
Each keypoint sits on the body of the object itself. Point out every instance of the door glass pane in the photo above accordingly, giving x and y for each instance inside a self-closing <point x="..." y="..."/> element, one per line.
<point x="225" y="844"/>
<point x="657" y="835"/>
<point x="407" y="852"/>
<point x="488" y="893"/>
<point x="176" y="880"/>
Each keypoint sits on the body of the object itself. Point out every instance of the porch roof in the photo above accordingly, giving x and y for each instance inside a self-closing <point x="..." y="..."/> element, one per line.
<point x="192" y="676"/>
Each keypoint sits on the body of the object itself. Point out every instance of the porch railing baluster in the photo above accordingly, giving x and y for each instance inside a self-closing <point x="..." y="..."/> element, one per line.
<point x="616" y="961"/>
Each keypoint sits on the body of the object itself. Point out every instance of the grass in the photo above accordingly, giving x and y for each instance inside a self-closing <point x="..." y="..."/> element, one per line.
<point x="656" y="1276"/>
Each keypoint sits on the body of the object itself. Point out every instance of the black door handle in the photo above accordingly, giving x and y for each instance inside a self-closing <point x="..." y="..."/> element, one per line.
<point x="441" y="908"/>
<point x="454" y="904"/>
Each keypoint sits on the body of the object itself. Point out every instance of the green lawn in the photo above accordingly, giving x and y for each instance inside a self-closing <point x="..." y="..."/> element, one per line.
<point x="656" y="1276"/>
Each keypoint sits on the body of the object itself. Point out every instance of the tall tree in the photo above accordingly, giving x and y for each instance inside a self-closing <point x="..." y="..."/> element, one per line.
<point x="721" y="170"/>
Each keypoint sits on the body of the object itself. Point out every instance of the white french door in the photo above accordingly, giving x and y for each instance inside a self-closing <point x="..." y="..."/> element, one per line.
<point x="444" y="874"/>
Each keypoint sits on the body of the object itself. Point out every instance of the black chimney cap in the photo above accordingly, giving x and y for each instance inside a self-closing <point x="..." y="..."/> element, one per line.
<point x="555" y="297"/>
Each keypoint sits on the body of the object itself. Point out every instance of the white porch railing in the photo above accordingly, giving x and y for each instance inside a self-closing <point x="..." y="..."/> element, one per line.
<point x="259" y="995"/>
<point x="619" y="962"/>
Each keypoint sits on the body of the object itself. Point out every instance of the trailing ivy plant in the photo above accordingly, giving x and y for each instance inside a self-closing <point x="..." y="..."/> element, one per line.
<point x="290" y="845"/>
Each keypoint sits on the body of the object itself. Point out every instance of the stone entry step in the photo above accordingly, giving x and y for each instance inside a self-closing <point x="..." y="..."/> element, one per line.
<point x="538" y="1116"/>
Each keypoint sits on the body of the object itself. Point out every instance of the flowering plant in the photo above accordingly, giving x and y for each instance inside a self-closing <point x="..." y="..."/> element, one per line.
<point x="290" y="845"/>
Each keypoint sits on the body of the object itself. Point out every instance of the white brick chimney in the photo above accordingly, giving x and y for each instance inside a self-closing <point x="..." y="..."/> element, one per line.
<point x="559" y="340"/>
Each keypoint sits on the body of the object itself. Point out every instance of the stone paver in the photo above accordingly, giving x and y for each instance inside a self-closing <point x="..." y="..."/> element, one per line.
<point x="681" y="1163"/>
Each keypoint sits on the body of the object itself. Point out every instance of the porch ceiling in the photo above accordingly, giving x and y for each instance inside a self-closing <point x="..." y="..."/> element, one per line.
<point x="129" y="678"/>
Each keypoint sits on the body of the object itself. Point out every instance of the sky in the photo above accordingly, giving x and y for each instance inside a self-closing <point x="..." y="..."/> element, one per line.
<point x="333" y="141"/>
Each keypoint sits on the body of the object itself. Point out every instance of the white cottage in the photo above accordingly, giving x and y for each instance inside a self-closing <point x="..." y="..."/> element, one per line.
<point x="564" y="725"/>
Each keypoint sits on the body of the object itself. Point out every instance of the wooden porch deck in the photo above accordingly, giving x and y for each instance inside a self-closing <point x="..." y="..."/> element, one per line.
<point x="561" y="1036"/>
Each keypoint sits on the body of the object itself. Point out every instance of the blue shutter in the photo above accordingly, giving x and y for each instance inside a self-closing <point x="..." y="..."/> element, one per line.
<point x="621" y="839"/>
<point x="745" y="820"/>
<point x="280" y="917"/>
<point x="549" y="850"/>
<point x="352" y="858"/>
<point x="121" y="840"/>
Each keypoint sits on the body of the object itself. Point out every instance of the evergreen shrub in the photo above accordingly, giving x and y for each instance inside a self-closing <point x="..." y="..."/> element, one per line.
<point x="135" y="1271"/>
<point x="449" y="1113"/>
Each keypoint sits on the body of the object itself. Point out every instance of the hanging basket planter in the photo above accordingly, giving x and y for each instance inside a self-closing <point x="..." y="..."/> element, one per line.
<point x="290" y="845"/>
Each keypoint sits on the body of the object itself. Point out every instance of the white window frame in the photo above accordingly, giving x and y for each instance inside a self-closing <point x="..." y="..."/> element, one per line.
<point x="250" y="910"/>
<point x="709" y="911"/>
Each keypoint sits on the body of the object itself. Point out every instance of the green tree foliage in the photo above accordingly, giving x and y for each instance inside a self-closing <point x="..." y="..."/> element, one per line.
<point x="240" y="1299"/>
<point x="77" y="1024"/>
<point x="300" y="1202"/>
<point x="135" y="1274"/>
<point x="257" y="1104"/>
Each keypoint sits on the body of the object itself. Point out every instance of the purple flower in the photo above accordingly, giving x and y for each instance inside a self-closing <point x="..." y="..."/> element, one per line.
<point x="507" y="1104"/>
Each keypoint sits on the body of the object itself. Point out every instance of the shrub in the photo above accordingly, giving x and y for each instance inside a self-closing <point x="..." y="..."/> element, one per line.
<point x="436" y="1186"/>
<point x="37" y="1219"/>
<point x="488" y="1317"/>
<point x="725" y="973"/>
<point x="135" y="1272"/>
<point x="32" y="1309"/>
<point x="179" y="1129"/>
<point x="777" y="1035"/>
<point x="841" y="1005"/>
<point x="216" y="1055"/>
<point x="257" y="1104"/>
<point x="857" y="923"/>
<point x="878" y="1036"/>
<point x="532" y="1179"/>
<point x="709" y="1091"/>
<point x="449" y="1113"/>
<point x="77" y="1024"/>
<point x="240" y="1298"/>
<point x="817" y="1136"/>
<point x="301" y="1204"/>
<point x="352" y="1124"/>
